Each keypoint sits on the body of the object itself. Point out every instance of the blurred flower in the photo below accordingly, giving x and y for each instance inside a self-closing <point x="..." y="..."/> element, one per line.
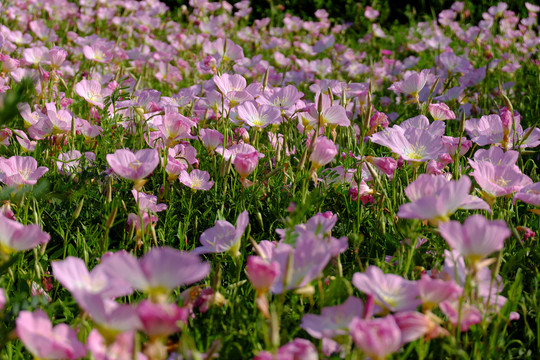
<point x="45" y="342"/>
<point x="20" y="170"/>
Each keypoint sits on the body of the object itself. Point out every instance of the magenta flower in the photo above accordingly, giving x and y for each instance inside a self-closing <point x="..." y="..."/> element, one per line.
<point x="261" y="273"/>
<point x="223" y="236"/>
<point x="441" y="111"/>
<point x="20" y="170"/>
<point x="323" y="153"/>
<point x="436" y="198"/>
<point x="3" y="299"/>
<point x="196" y="179"/>
<point x="90" y="90"/>
<point x="159" y="271"/>
<point x="15" y="236"/>
<point x="334" y="320"/>
<point x="245" y="164"/>
<point x="529" y="194"/>
<point x="477" y="238"/>
<point x="45" y="342"/>
<point x="259" y="117"/>
<point x="132" y="166"/>
<point x="377" y="338"/>
<point x="390" y="291"/>
<point x="160" y="319"/>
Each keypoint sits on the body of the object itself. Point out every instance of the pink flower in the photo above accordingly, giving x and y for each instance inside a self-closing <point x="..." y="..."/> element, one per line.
<point x="411" y="144"/>
<point x="466" y="314"/>
<point x="436" y="198"/>
<point x="74" y="276"/>
<point x="334" y="320"/>
<point x="377" y="338"/>
<point x="529" y="194"/>
<point x="132" y="166"/>
<point x="120" y="349"/>
<point x="196" y="179"/>
<point x="298" y="349"/>
<point x="245" y="164"/>
<point x="441" y="111"/>
<point x="371" y="13"/>
<point x="97" y="52"/>
<point x="282" y="98"/>
<point x="90" y="90"/>
<point x="19" y="171"/>
<point x="159" y="271"/>
<point x="435" y="291"/>
<point x="261" y="273"/>
<point x="160" y="319"/>
<point x="211" y="138"/>
<point x="390" y="291"/>
<point x="476" y="238"/>
<point x="57" y="55"/>
<point x="147" y="202"/>
<point x="15" y="236"/>
<point x="324" y="152"/>
<point x="223" y="236"/>
<point x="3" y="299"/>
<point x="499" y="180"/>
<point x="259" y="117"/>
<point x="412" y="84"/>
<point x="45" y="342"/>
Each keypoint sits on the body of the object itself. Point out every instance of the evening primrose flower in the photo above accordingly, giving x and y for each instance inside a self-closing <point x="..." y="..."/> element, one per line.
<point x="390" y="291"/>
<point x="435" y="198"/>
<point x="259" y="117"/>
<point x="417" y="145"/>
<point x="159" y="271"/>
<point x="45" y="342"/>
<point x="476" y="238"/>
<point x="412" y="84"/>
<point x="196" y="179"/>
<point x="133" y="166"/>
<point x="441" y="111"/>
<point x="90" y="90"/>
<point x="529" y="194"/>
<point x="223" y="236"/>
<point x="15" y="236"/>
<point x="324" y="152"/>
<point x="333" y="320"/>
<point x="20" y="170"/>
<point x="378" y="337"/>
